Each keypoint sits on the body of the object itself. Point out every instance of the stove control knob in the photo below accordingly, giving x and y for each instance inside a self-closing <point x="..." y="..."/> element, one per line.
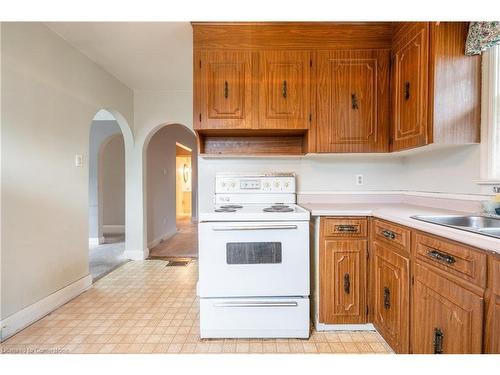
<point x="233" y="184"/>
<point x="223" y="184"/>
<point x="276" y="184"/>
<point x="267" y="185"/>
<point x="287" y="184"/>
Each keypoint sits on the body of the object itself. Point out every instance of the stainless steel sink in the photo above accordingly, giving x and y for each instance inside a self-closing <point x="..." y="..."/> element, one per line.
<point x="486" y="225"/>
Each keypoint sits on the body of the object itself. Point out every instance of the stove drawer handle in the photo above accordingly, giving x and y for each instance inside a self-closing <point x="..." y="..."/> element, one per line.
<point x="256" y="304"/>
<point x="260" y="227"/>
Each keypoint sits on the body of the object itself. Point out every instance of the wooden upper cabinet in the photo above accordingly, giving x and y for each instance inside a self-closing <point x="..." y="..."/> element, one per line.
<point x="410" y="88"/>
<point x="435" y="87"/>
<point x="224" y="81"/>
<point x="352" y="92"/>
<point x="284" y="90"/>
<point x="447" y="317"/>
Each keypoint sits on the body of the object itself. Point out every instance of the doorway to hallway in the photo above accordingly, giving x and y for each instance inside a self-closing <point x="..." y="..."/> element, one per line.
<point x="171" y="177"/>
<point x="106" y="195"/>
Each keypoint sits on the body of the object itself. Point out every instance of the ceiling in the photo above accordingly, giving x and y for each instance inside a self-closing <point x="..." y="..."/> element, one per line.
<point x="142" y="55"/>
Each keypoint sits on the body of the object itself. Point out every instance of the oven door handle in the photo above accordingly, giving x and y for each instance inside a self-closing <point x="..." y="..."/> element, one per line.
<point x="256" y="304"/>
<point x="255" y="227"/>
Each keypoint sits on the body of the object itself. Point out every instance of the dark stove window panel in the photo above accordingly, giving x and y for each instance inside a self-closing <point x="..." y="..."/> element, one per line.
<point x="253" y="252"/>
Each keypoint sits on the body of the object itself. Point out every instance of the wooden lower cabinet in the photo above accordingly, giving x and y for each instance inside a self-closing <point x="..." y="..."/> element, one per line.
<point x="342" y="281"/>
<point x="419" y="302"/>
<point x="391" y="295"/>
<point x="447" y="318"/>
<point x="492" y="321"/>
<point x="342" y="264"/>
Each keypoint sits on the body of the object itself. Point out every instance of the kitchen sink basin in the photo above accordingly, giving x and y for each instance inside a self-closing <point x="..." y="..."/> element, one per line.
<point x="486" y="225"/>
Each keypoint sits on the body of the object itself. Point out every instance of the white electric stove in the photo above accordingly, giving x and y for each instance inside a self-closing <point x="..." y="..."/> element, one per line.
<point x="254" y="259"/>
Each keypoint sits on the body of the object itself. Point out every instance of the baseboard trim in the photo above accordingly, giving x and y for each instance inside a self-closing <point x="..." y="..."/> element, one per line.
<point x="96" y="241"/>
<point x="30" y="314"/>
<point x="163" y="237"/>
<point x="322" y="327"/>
<point x="136" y="254"/>
<point x="113" y="229"/>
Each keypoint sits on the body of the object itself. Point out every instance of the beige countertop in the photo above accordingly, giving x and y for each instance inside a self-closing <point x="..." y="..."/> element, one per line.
<point x="401" y="213"/>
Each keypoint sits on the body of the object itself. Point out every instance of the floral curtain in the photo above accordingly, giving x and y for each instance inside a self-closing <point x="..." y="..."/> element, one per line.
<point x="482" y="35"/>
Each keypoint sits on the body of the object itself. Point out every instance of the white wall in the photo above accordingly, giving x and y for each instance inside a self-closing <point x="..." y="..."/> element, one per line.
<point x="113" y="182"/>
<point x="449" y="170"/>
<point x="100" y="130"/>
<point x="314" y="173"/>
<point x="50" y="93"/>
<point x="161" y="180"/>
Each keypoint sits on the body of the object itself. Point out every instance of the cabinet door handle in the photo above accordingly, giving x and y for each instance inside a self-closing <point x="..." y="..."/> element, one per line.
<point x="354" y="101"/>
<point x="284" y="89"/>
<point x="347" y="284"/>
<point x="389" y="234"/>
<point x="407" y="90"/>
<point x="226" y="89"/>
<point x="438" y="341"/>
<point x="346" y="228"/>
<point x="387" y="298"/>
<point x="441" y="257"/>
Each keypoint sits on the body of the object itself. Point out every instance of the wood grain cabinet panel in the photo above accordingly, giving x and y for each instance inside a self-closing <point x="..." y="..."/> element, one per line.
<point x="492" y="321"/>
<point x="225" y="90"/>
<point x="345" y="227"/>
<point x="410" y="88"/>
<point x="452" y="257"/>
<point x="342" y="281"/>
<point x="284" y="90"/>
<point x="352" y="94"/>
<point x="447" y="318"/>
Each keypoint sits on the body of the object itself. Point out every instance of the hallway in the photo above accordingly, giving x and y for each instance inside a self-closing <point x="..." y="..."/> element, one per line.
<point x="183" y="244"/>
<point x="108" y="256"/>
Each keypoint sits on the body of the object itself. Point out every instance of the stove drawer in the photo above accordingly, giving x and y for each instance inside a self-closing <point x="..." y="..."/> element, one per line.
<point x="254" y="317"/>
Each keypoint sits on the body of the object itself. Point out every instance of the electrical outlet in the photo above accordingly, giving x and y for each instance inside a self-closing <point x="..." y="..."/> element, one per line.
<point x="359" y="179"/>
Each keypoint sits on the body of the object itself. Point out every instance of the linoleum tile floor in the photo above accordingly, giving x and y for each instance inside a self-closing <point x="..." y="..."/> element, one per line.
<point x="146" y="307"/>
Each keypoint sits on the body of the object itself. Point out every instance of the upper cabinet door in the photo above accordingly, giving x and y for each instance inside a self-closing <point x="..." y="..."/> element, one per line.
<point x="284" y="90"/>
<point x="225" y="90"/>
<point x="410" y="88"/>
<point x="353" y="101"/>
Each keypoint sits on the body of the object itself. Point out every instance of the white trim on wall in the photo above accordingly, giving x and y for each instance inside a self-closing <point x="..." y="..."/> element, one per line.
<point x="489" y="115"/>
<point x="30" y="314"/>
<point x="163" y="237"/>
<point x="113" y="229"/>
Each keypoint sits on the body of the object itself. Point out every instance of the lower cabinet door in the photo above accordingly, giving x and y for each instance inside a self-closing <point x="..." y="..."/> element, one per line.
<point x="391" y="288"/>
<point x="447" y="318"/>
<point x="342" y="281"/>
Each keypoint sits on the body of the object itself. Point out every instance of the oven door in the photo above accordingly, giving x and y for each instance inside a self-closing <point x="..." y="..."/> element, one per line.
<point x="245" y="259"/>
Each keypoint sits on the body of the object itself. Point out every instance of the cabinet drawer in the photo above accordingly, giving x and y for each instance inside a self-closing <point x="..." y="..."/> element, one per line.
<point x="391" y="233"/>
<point x="345" y="227"/>
<point x="458" y="259"/>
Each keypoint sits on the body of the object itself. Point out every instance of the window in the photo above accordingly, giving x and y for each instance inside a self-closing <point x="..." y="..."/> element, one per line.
<point x="490" y="128"/>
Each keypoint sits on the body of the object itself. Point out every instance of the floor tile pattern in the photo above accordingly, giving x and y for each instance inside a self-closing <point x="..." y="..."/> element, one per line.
<point x="146" y="307"/>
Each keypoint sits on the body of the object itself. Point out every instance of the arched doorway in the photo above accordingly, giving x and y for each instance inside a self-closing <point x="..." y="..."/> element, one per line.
<point x="106" y="195"/>
<point x="171" y="192"/>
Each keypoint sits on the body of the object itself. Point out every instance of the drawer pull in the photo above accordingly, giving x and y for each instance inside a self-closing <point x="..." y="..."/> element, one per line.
<point x="346" y="228"/>
<point x="347" y="284"/>
<point x="441" y="257"/>
<point x="226" y="89"/>
<point x="389" y="234"/>
<point x="438" y="341"/>
<point x="387" y="298"/>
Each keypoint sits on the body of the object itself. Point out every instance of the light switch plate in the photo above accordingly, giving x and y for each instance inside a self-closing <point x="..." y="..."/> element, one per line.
<point x="78" y="160"/>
